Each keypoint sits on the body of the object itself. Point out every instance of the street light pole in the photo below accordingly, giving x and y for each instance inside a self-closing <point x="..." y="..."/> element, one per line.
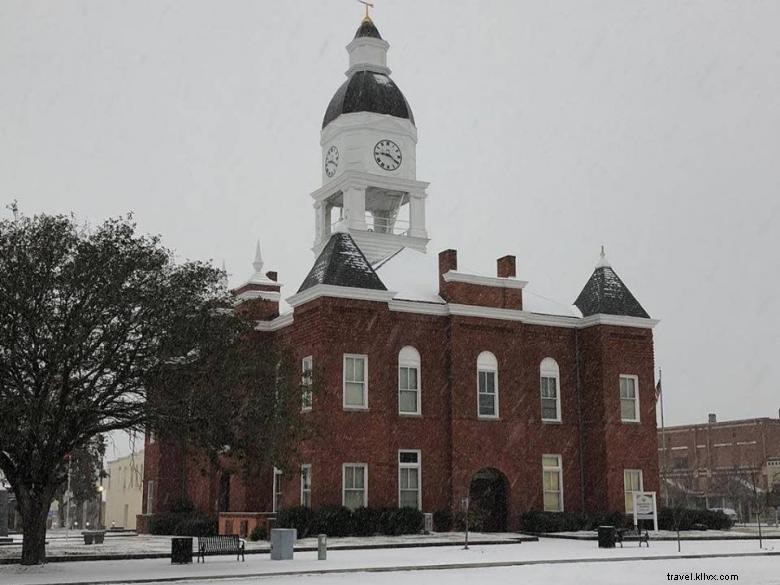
<point x="67" y="505"/>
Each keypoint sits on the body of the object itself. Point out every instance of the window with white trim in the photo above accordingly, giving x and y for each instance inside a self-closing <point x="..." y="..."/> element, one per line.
<point x="629" y="398"/>
<point x="306" y="485"/>
<point x="151" y="486"/>
<point x="487" y="385"/>
<point x="549" y="381"/>
<point x="409" y="381"/>
<point x="307" y="364"/>
<point x="355" y="381"/>
<point x="409" y="491"/>
<point x="277" y="489"/>
<point x="552" y="479"/>
<point x="355" y="482"/>
<point x="632" y="482"/>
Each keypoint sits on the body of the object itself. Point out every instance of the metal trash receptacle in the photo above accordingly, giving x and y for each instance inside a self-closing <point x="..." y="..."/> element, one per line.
<point x="607" y="536"/>
<point x="282" y="543"/>
<point x="181" y="550"/>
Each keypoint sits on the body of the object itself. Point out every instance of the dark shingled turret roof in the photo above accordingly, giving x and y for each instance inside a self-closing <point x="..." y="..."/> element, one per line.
<point x="341" y="263"/>
<point x="605" y="293"/>
<point x="367" y="28"/>
<point x="368" y="91"/>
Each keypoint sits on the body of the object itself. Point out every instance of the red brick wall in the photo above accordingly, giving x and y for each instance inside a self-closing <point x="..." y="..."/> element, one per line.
<point x="594" y="444"/>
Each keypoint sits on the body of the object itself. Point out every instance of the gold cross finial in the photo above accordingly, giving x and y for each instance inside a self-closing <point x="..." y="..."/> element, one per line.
<point x="367" y="4"/>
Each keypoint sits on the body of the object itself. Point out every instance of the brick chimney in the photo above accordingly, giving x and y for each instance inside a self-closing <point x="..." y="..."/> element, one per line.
<point x="448" y="260"/>
<point x="505" y="267"/>
<point x="712" y="418"/>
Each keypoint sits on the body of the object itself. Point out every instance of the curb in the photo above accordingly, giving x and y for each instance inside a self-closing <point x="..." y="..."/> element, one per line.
<point x="653" y="538"/>
<point x="267" y="550"/>
<point x="442" y="567"/>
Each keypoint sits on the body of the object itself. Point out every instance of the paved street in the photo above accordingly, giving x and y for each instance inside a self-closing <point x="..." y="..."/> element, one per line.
<point x="553" y="558"/>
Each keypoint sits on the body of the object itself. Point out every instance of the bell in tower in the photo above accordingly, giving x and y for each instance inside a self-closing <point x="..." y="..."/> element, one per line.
<point x="369" y="167"/>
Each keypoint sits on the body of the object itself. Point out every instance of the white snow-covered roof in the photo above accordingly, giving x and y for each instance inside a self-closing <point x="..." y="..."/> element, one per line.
<point x="413" y="275"/>
<point x="534" y="302"/>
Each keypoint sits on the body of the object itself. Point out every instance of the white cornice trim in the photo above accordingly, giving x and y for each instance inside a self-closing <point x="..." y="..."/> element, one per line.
<point x="419" y="307"/>
<point x="453" y="276"/>
<point x="619" y="320"/>
<point x="521" y="316"/>
<point x="443" y="310"/>
<point x="350" y="177"/>
<point x="275" y="324"/>
<point x="362" y="120"/>
<point x="266" y="295"/>
<point x="342" y="292"/>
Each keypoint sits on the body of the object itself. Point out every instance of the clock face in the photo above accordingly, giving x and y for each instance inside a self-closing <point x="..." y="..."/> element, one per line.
<point x="331" y="161"/>
<point x="387" y="155"/>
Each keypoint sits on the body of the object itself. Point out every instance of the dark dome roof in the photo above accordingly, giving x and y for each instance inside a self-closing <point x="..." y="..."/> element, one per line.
<point x="367" y="91"/>
<point x="367" y="28"/>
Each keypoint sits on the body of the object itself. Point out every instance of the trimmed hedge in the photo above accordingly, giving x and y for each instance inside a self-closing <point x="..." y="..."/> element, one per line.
<point x="258" y="533"/>
<point x="182" y="524"/>
<point x="540" y="521"/>
<point x="670" y="518"/>
<point x="341" y="521"/>
<point x="442" y="520"/>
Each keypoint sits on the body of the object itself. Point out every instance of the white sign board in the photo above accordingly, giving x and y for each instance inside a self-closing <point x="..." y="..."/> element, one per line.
<point x="645" y="508"/>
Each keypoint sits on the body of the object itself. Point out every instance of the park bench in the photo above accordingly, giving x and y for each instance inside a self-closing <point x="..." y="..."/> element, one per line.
<point x="631" y="534"/>
<point x="224" y="544"/>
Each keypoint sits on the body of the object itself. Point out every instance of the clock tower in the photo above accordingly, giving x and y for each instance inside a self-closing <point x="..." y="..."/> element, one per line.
<point x="369" y="167"/>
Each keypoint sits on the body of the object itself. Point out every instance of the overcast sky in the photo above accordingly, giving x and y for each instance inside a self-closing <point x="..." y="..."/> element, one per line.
<point x="546" y="128"/>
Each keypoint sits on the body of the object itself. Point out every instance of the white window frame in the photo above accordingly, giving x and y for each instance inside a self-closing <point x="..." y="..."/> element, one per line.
<point x="488" y="363"/>
<point x="409" y="358"/>
<point x="630" y="509"/>
<point x="307" y="366"/>
<point x="549" y="368"/>
<point x="636" y="397"/>
<point x="418" y="467"/>
<point x="346" y="406"/>
<point x="277" y="490"/>
<point x="344" y="482"/>
<point x="558" y="468"/>
<point x="150" y="487"/>
<point x="305" y="471"/>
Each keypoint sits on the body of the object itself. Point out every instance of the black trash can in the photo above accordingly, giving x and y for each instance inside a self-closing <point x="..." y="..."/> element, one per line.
<point x="181" y="550"/>
<point x="607" y="536"/>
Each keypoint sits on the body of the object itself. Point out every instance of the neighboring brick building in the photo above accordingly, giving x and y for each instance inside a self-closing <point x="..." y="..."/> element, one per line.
<point x="437" y="383"/>
<point x="718" y="464"/>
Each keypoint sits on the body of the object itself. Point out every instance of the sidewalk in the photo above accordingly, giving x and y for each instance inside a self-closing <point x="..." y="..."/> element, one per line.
<point x="146" y="546"/>
<point x="543" y="552"/>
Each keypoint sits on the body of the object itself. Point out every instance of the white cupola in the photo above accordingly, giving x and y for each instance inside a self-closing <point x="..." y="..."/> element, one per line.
<point x="369" y="166"/>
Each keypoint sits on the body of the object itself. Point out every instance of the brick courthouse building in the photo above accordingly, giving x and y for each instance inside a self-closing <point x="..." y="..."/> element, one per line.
<point x="437" y="383"/>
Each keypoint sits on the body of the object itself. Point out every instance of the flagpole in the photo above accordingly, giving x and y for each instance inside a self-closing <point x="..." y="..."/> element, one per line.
<point x="663" y="440"/>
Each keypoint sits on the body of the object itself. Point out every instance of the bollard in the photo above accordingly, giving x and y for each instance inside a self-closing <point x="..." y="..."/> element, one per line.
<point x="322" y="547"/>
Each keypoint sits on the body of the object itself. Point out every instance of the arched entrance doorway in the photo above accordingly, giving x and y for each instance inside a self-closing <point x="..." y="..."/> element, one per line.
<point x="489" y="496"/>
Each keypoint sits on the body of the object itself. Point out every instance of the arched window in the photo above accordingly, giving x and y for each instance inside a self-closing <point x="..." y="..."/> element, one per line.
<point x="550" y="383"/>
<point x="409" y="399"/>
<point x="487" y="385"/>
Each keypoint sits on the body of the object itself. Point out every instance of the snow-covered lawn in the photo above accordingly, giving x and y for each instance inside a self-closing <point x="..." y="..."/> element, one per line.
<point x="582" y="563"/>
<point x="129" y="544"/>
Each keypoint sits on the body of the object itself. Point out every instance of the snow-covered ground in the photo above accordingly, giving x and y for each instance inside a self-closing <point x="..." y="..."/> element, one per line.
<point x="130" y="544"/>
<point x="547" y="561"/>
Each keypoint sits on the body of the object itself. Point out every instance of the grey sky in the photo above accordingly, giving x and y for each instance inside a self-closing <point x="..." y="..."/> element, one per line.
<point x="546" y="129"/>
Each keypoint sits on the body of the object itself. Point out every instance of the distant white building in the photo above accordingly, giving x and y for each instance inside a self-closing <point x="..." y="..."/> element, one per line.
<point x="123" y="490"/>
